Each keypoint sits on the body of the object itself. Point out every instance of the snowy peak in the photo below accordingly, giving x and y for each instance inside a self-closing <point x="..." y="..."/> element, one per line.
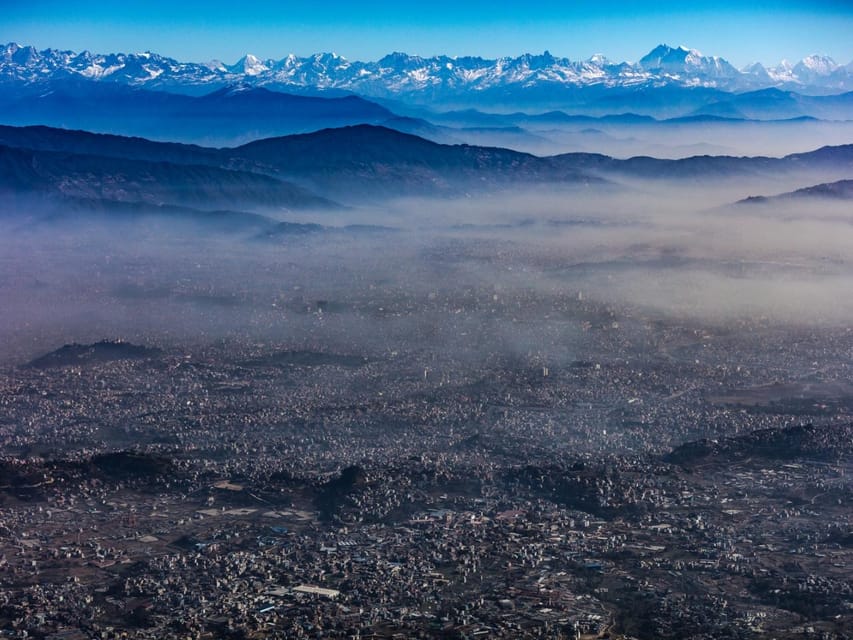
<point x="249" y="65"/>
<point x="217" y="66"/>
<point x="681" y="60"/>
<point x="22" y="55"/>
<point x="399" y="74"/>
<point x="821" y="65"/>
<point x="399" y="60"/>
<point x="758" y="73"/>
<point x="755" y="68"/>
<point x="663" y="55"/>
<point x="674" y="59"/>
<point x="598" y="60"/>
<point x="814" y="71"/>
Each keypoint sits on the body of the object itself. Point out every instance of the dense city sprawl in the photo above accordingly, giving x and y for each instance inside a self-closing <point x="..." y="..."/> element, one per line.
<point x="670" y="480"/>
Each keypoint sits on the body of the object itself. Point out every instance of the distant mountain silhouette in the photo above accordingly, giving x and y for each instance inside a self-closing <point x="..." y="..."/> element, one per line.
<point x="232" y="113"/>
<point x="121" y="179"/>
<point x="85" y="354"/>
<point x="370" y="161"/>
<point x="705" y="168"/>
<point x="842" y="190"/>
<point x="349" y="164"/>
<point x="777" y="104"/>
<point x="45" y="138"/>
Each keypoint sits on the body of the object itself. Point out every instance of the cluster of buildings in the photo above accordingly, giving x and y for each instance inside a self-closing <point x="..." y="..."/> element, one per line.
<point x="271" y="492"/>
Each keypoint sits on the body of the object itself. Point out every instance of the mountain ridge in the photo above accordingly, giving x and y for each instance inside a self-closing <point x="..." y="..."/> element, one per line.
<point x="225" y="114"/>
<point x="345" y="165"/>
<point x="401" y="74"/>
<point x="839" y="190"/>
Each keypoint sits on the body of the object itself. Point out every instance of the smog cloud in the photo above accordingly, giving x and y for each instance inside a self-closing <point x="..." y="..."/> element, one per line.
<point x="501" y="275"/>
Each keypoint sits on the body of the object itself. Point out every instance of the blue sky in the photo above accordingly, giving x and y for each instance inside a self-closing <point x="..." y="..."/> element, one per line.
<point x="197" y="30"/>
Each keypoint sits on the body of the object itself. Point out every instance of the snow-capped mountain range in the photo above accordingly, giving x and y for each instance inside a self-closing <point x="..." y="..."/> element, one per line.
<point x="399" y="75"/>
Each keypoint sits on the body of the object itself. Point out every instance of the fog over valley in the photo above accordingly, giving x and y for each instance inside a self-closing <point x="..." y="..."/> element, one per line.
<point x="486" y="275"/>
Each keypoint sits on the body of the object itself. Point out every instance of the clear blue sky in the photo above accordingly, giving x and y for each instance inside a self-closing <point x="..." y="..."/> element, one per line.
<point x="200" y="30"/>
